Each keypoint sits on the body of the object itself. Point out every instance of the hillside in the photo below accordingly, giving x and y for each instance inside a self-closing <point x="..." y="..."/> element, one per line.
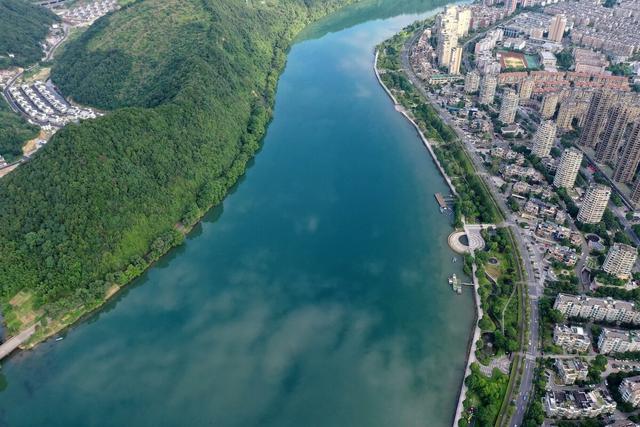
<point x="105" y="198"/>
<point x="14" y="131"/>
<point x="24" y="26"/>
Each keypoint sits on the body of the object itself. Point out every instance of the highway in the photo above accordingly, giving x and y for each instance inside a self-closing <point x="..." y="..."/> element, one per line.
<point x="531" y="259"/>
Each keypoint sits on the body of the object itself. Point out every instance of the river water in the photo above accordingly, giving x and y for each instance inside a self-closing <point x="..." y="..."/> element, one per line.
<point x="315" y="296"/>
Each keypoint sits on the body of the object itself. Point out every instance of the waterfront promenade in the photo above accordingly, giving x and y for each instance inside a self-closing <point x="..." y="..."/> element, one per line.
<point x="469" y="231"/>
<point x="402" y="110"/>
<point x="471" y="355"/>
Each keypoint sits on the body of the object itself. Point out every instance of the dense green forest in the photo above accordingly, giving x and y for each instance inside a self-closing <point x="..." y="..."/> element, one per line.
<point x="14" y="131"/>
<point x="24" y="26"/>
<point x="191" y="83"/>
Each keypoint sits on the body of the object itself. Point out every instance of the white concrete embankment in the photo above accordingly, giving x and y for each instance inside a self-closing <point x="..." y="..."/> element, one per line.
<point x="404" y="112"/>
<point x="471" y="355"/>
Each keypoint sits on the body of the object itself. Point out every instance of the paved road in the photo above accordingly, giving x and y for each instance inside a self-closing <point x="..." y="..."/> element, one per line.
<point x="13" y="343"/>
<point x="533" y="285"/>
<point x="65" y="30"/>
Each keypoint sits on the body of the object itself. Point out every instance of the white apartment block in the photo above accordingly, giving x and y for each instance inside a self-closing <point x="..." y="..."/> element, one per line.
<point x="597" y="309"/>
<point x="488" y="89"/>
<point x="571" y="338"/>
<point x="630" y="390"/>
<point x="578" y="403"/>
<point x="620" y="260"/>
<point x="568" y="168"/>
<point x="594" y="204"/>
<point x="509" y="106"/>
<point x="472" y="82"/>
<point x="544" y="138"/>
<point x="618" y="341"/>
<point x="571" y="370"/>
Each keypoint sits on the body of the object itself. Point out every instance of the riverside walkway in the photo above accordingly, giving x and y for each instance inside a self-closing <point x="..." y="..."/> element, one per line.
<point x="468" y="230"/>
<point x="13" y="343"/>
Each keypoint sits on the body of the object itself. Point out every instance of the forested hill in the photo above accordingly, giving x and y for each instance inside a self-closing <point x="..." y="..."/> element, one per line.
<point x="104" y="198"/>
<point x="23" y="26"/>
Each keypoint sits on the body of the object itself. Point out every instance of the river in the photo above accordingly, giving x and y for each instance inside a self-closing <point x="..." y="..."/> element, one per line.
<point x="316" y="295"/>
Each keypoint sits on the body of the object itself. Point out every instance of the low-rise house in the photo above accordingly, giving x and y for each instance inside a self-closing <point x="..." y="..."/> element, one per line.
<point x="571" y="338"/>
<point x="521" y="187"/>
<point x="630" y="390"/>
<point x="561" y="216"/>
<point x="575" y="238"/>
<point x="537" y="207"/>
<point x="571" y="370"/>
<point x="545" y="229"/>
<point x="563" y="254"/>
<point x="511" y="130"/>
<point x="578" y="403"/>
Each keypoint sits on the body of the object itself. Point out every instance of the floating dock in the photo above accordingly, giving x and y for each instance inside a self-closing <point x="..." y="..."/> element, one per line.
<point x="455" y="284"/>
<point x="441" y="201"/>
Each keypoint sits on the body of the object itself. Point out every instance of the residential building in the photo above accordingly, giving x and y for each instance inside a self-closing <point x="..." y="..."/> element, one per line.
<point x="525" y="89"/>
<point x="611" y="135"/>
<point x="488" y="89"/>
<point x="630" y="156"/>
<point x="556" y="27"/>
<point x="596" y="117"/>
<point x="588" y="61"/>
<point x="635" y="192"/>
<point x="623" y="423"/>
<point x="597" y="309"/>
<point x="472" y="82"/>
<point x="620" y="260"/>
<point x="509" y="106"/>
<point x="456" y="60"/>
<point x="594" y="204"/>
<point x="571" y="338"/>
<point x="568" y="168"/>
<point x="510" y="6"/>
<point x="544" y="138"/>
<point x="569" y="111"/>
<point x="447" y="31"/>
<point x="548" y="60"/>
<point x="613" y="341"/>
<point x="630" y="390"/>
<point x="464" y="21"/>
<point x="571" y="370"/>
<point x="578" y="403"/>
<point x="549" y="104"/>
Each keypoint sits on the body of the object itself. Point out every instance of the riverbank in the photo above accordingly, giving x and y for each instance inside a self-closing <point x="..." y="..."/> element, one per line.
<point x="152" y="227"/>
<point x="453" y="156"/>
<point x="402" y="110"/>
<point x="476" y="331"/>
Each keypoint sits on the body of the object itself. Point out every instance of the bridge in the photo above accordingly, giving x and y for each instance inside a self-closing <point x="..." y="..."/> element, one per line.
<point x="13" y="343"/>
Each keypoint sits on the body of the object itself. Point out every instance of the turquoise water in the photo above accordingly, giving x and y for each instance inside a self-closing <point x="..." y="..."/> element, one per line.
<point x="315" y="296"/>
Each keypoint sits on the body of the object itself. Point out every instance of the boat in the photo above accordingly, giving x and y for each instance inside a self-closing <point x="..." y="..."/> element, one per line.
<point x="59" y="338"/>
<point x="453" y="281"/>
<point x="454" y="259"/>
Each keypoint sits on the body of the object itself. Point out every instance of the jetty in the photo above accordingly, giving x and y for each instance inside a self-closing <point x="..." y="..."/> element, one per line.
<point x="441" y="201"/>
<point x="455" y="284"/>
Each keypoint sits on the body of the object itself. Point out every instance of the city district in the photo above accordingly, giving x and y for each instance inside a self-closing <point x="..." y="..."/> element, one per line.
<point x="544" y="96"/>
